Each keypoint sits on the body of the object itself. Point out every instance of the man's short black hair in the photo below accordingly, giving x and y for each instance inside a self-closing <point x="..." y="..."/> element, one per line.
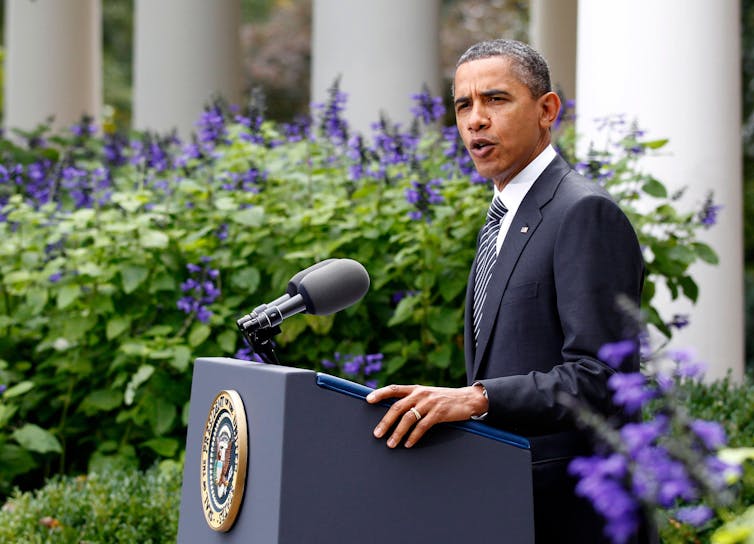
<point x="529" y="65"/>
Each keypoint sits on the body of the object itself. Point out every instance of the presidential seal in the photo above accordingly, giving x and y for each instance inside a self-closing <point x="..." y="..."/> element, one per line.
<point x="224" y="457"/>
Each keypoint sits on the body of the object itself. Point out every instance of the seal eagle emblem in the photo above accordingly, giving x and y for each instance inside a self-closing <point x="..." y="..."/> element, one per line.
<point x="224" y="460"/>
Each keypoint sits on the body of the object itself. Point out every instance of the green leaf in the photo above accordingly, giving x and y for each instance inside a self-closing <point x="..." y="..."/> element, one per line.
<point x="90" y="269"/>
<point x="199" y="333"/>
<point x="246" y="279"/>
<point x="132" y="276"/>
<point x="705" y="253"/>
<point x="690" y="288"/>
<point x="444" y="321"/>
<point x="227" y="341"/>
<point x="155" y="239"/>
<point x="117" y="326"/>
<point x="403" y="311"/>
<point x="164" y="447"/>
<point x="655" y="144"/>
<point x="134" y="349"/>
<point x="161" y="414"/>
<point x="320" y="324"/>
<point x="36" y="298"/>
<point x="67" y="294"/>
<point x="6" y="412"/>
<point x="35" y="438"/>
<point x="142" y="375"/>
<point x="181" y="358"/>
<point x="102" y="400"/>
<point x="452" y="285"/>
<point x="682" y="253"/>
<point x="15" y="460"/>
<point x="654" y="188"/>
<point x="441" y="357"/>
<point x="250" y="217"/>
<point x="18" y="389"/>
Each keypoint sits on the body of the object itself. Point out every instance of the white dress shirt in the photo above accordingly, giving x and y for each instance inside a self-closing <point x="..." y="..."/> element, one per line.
<point x="514" y="192"/>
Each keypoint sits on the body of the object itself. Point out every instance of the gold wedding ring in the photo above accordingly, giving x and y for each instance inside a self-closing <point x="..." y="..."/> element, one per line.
<point x="416" y="413"/>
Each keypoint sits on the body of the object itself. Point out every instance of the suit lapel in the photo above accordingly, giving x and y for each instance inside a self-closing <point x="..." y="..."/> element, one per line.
<point x="524" y="225"/>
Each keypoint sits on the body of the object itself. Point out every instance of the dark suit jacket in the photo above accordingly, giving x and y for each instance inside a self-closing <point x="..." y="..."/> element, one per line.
<point x="551" y="305"/>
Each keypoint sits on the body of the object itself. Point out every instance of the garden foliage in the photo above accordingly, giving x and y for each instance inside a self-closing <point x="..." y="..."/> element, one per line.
<point x="124" y="505"/>
<point x="124" y="258"/>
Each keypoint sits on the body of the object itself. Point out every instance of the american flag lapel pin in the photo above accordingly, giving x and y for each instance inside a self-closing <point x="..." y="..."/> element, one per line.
<point x="524" y="229"/>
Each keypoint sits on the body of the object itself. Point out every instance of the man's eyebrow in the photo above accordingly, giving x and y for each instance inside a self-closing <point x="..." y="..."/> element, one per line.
<point x="495" y="92"/>
<point x="486" y="94"/>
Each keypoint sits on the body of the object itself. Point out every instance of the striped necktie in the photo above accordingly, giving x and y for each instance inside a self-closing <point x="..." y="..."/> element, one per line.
<point x="485" y="258"/>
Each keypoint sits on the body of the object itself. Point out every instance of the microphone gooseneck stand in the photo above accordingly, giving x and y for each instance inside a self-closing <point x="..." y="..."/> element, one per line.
<point x="261" y="343"/>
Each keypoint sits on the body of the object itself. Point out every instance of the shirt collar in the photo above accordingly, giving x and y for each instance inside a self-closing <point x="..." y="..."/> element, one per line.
<point x="515" y="190"/>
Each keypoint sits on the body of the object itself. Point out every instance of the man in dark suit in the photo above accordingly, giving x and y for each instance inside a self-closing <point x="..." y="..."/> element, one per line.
<point x="542" y="290"/>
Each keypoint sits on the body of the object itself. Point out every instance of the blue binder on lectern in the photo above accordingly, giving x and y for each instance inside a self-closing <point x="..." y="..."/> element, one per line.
<point x="315" y="474"/>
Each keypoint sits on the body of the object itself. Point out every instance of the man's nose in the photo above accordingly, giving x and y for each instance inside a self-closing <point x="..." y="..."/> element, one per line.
<point x="479" y="118"/>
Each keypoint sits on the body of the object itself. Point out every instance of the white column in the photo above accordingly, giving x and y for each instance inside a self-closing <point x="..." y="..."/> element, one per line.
<point x="552" y="32"/>
<point x="383" y="50"/>
<point x="675" y="67"/>
<point x="53" y="63"/>
<point x="185" y="52"/>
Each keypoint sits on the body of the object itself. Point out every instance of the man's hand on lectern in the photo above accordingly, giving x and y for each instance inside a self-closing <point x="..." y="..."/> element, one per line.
<point x="419" y="407"/>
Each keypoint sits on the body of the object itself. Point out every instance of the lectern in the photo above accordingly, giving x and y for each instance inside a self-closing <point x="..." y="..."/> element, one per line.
<point x="315" y="474"/>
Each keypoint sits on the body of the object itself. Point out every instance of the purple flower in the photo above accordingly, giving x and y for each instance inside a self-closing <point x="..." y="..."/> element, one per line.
<point x="428" y="108"/>
<point x="3" y="387"/>
<point x="85" y="128"/>
<point x="694" y="515"/>
<point x="679" y="321"/>
<point x="708" y="214"/>
<point x="630" y="391"/>
<point x="332" y="124"/>
<point x="55" y="277"/>
<point x="637" y="436"/>
<point x="353" y="364"/>
<point x="200" y="291"/>
<point x="328" y="364"/>
<point x="422" y="196"/>
<point x="710" y="433"/>
<point x="600" y="481"/>
<point x="400" y="295"/>
<point x="113" y="149"/>
<point x="203" y="314"/>
<point x="412" y="196"/>
<point x="373" y="363"/>
<point x="615" y="352"/>
<point x="211" y="127"/>
<point x="661" y="479"/>
<point x="687" y="365"/>
<point x="245" y="354"/>
<point x="691" y="369"/>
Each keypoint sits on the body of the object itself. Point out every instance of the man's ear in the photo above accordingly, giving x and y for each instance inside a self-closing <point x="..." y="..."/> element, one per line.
<point x="549" y="109"/>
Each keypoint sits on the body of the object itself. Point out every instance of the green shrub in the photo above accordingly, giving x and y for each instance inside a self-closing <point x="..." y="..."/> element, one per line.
<point x="113" y="506"/>
<point x="123" y="259"/>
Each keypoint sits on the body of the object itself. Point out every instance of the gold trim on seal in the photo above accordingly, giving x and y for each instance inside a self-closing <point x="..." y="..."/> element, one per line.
<point x="224" y="460"/>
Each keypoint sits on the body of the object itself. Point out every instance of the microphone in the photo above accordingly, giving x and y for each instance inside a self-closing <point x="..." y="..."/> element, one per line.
<point x="290" y="291"/>
<point x="323" y="291"/>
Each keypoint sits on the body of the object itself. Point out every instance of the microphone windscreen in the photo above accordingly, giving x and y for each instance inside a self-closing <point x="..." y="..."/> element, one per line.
<point x="294" y="282"/>
<point x="334" y="287"/>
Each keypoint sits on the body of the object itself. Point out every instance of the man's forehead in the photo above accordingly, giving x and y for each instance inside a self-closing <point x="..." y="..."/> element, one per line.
<point x="484" y="74"/>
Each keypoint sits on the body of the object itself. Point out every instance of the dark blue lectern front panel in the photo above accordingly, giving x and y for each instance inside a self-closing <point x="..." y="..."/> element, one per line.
<point x="317" y="475"/>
